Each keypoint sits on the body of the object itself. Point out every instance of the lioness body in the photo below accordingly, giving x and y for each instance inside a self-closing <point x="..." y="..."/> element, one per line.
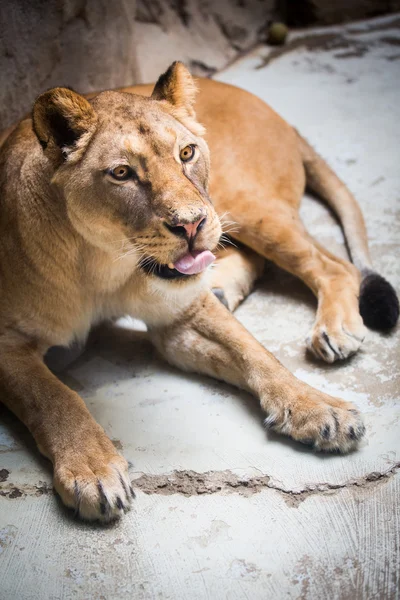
<point x="102" y="214"/>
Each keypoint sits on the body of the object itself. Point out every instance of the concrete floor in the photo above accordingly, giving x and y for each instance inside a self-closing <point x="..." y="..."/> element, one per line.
<point x="223" y="509"/>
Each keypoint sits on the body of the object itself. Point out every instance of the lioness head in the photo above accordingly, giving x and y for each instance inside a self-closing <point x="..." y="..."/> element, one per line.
<point x="133" y="173"/>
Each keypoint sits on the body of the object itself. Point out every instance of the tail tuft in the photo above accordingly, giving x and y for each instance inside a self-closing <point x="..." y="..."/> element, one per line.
<point x="379" y="305"/>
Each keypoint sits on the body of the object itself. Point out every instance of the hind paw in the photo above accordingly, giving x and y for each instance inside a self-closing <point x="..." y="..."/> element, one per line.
<point x="337" y="341"/>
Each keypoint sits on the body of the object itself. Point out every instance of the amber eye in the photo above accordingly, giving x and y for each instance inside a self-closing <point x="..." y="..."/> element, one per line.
<point x="122" y="173"/>
<point x="187" y="153"/>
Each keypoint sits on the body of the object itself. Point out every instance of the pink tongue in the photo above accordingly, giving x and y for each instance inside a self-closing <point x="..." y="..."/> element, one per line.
<point x="190" y="265"/>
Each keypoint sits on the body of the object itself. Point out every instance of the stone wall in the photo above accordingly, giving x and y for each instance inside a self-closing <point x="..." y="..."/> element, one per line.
<point x="85" y="44"/>
<point x="205" y="34"/>
<point x="96" y="44"/>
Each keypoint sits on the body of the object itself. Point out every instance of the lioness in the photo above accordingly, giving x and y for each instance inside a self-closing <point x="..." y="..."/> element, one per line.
<point x="105" y="211"/>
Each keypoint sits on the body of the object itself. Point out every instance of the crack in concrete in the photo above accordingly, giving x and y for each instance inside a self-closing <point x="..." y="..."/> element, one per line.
<point x="12" y="491"/>
<point x="190" y="483"/>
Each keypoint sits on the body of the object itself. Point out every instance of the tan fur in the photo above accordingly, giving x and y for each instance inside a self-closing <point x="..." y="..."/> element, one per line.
<point x="72" y="240"/>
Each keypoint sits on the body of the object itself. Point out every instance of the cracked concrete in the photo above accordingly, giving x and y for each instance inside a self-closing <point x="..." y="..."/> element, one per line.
<point x="186" y="436"/>
<point x="190" y="483"/>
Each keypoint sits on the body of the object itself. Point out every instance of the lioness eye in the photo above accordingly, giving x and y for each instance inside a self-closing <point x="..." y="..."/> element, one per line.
<point x="122" y="172"/>
<point x="187" y="153"/>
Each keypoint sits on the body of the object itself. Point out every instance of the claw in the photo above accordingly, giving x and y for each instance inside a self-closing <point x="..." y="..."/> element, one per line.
<point x="270" y="421"/>
<point x="326" y="432"/>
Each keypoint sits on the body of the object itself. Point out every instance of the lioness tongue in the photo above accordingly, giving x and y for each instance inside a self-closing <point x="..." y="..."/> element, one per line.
<point x="191" y="264"/>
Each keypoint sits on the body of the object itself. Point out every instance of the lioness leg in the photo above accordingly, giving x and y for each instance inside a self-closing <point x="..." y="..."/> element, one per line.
<point x="338" y="330"/>
<point x="208" y="339"/>
<point x="234" y="275"/>
<point x="89" y="475"/>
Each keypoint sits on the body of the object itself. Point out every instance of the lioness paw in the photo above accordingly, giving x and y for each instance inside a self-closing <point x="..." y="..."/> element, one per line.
<point x="325" y="423"/>
<point x="95" y="485"/>
<point x="336" y="340"/>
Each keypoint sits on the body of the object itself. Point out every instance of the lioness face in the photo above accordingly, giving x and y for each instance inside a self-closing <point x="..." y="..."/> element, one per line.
<point x="135" y="181"/>
<point x="142" y="187"/>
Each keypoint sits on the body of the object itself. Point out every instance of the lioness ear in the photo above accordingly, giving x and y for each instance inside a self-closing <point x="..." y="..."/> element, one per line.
<point x="177" y="87"/>
<point x="63" y="122"/>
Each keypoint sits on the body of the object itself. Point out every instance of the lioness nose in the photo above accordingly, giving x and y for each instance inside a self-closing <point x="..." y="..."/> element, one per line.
<point x="193" y="228"/>
<point x="188" y="230"/>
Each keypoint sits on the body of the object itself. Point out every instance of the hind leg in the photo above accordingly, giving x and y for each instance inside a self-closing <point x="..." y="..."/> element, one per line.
<point x="234" y="275"/>
<point x="338" y="330"/>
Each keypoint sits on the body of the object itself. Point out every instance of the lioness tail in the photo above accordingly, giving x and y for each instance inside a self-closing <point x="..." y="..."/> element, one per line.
<point x="378" y="302"/>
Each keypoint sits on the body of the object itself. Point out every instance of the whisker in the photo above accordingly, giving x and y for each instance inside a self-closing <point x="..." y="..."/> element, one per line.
<point x="231" y="229"/>
<point x="134" y="250"/>
<point x="227" y="240"/>
<point x="229" y="222"/>
<point x="149" y="260"/>
<point x="221" y="217"/>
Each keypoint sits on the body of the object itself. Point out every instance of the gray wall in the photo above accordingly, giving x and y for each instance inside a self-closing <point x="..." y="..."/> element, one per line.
<point x="98" y="44"/>
<point x="86" y="44"/>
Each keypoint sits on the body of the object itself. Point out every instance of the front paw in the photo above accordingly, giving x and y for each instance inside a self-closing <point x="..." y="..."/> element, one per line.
<point x="318" y="420"/>
<point x="92" y="478"/>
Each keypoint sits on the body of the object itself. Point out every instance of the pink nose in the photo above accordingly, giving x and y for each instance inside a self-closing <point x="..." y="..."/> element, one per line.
<point x="192" y="228"/>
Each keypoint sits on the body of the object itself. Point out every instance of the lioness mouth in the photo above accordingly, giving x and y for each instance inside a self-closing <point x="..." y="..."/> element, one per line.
<point x="188" y="265"/>
<point x="162" y="271"/>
